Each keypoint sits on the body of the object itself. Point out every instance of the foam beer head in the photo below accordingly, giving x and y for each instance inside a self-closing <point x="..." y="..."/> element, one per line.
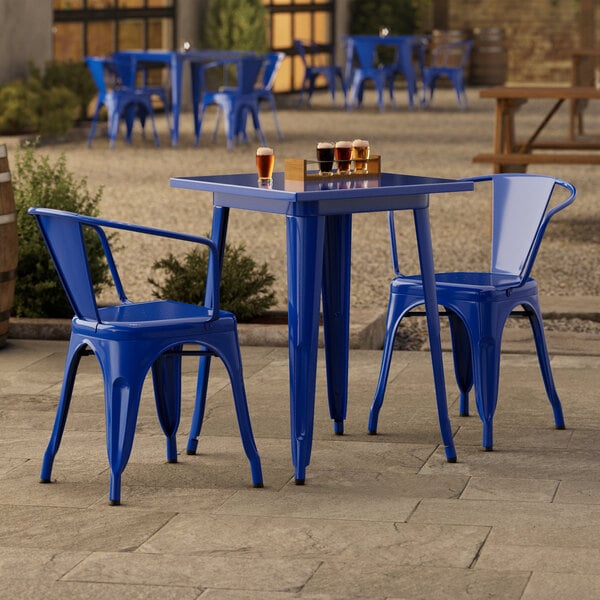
<point x="324" y="145"/>
<point x="343" y="144"/>
<point x="263" y="151"/>
<point x="360" y="143"/>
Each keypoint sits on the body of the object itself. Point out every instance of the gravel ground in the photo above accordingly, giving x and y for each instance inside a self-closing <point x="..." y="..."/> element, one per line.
<point x="437" y="142"/>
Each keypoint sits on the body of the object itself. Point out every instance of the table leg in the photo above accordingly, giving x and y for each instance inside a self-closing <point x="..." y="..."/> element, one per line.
<point x="336" y="313"/>
<point x="218" y="235"/>
<point x="305" y="239"/>
<point x="421" y="216"/>
<point x="176" y="84"/>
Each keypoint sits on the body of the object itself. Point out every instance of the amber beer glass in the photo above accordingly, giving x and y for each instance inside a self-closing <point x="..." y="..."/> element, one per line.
<point x="265" y="160"/>
<point x="343" y="156"/>
<point x="325" y="158"/>
<point x="360" y="152"/>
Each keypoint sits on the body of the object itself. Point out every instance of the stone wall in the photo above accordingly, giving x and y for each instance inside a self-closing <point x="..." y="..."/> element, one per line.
<point x="539" y="34"/>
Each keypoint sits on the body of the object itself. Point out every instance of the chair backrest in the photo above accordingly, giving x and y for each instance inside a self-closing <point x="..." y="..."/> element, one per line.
<point x="366" y="52"/>
<point x="109" y="73"/>
<point x="63" y="233"/>
<point x="521" y="212"/>
<point x="301" y="50"/>
<point x="454" y="55"/>
<point x="271" y="64"/>
<point x="248" y="70"/>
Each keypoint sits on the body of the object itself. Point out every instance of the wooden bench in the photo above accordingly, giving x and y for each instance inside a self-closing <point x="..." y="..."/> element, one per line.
<point x="528" y="158"/>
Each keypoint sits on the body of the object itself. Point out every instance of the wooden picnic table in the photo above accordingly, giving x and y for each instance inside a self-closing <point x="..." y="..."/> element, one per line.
<point x="512" y="155"/>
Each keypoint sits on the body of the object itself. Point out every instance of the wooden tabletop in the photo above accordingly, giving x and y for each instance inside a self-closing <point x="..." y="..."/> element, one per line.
<point x="534" y="92"/>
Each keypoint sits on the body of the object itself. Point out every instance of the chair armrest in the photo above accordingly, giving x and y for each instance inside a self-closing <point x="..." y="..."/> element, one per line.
<point x="98" y="224"/>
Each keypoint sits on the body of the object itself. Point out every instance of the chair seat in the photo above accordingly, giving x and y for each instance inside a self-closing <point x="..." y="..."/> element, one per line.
<point x="468" y="284"/>
<point x="165" y="314"/>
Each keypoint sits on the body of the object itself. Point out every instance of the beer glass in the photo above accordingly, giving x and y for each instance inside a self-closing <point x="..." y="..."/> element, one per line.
<point x="343" y="155"/>
<point x="325" y="158"/>
<point x="265" y="160"/>
<point x="360" y="152"/>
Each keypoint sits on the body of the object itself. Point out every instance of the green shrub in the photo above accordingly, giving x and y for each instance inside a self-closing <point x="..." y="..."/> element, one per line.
<point x="38" y="291"/>
<point x="399" y="16"/>
<point x="20" y="107"/>
<point x="38" y="104"/>
<point x="245" y="288"/>
<point x="76" y="77"/>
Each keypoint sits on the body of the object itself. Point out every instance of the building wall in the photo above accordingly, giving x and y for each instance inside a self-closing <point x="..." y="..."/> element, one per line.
<point x="539" y="34"/>
<point x="25" y="36"/>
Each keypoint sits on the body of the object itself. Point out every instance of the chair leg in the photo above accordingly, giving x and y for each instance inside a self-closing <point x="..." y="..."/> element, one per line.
<point x="275" y="119"/>
<point x="392" y="323"/>
<point x="227" y="348"/>
<point x="166" y="376"/>
<point x="122" y="404"/>
<point x="537" y="326"/>
<point x="463" y="364"/>
<point x="486" y="370"/>
<point x="72" y="362"/>
<point x="200" y="404"/>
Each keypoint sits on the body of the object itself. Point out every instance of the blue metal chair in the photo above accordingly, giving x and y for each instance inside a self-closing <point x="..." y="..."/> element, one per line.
<point x="365" y="51"/>
<point x="235" y="102"/>
<point x="264" y="91"/>
<point x="121" y="101"/>
<point x="130" y="338"/>
<point x="312" y="72"/>
<point x="479" y="303"/>
<point x="447" y="60"/>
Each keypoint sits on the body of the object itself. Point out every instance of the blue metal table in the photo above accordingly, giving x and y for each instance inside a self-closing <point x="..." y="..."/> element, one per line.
<point x="174" y="61"/>
<point x="318" y="232"/>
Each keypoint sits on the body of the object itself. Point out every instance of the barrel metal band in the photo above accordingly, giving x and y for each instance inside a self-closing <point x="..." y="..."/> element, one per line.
<point x="8" y="218"/>
<point x="8" y="275"/>
<point x="2" y="150"/>
<point x="5" y="177"/>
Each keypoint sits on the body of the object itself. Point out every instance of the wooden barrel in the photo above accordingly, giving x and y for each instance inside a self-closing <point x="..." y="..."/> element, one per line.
<point x="8" y="245"/>
<point x="489" y="59"/>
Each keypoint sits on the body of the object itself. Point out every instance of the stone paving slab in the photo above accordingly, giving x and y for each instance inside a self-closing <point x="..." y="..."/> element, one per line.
<point x="380" y="517"/>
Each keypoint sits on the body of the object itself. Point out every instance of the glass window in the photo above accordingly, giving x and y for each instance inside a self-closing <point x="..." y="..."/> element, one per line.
<point x="68" y="41"/>
<point x="131" y="35"/>
<point x="100" y="38"/>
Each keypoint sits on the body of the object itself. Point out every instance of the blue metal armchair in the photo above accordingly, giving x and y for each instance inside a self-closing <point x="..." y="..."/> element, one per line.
<point x="479" y="303"/>
<point x="130" y="338"/>
<point x="122" y="101"/>
<point x="447" y="60"/>
<point x="234" y="102"/>
<point x="312" y="72"/>
<point x="382" y="76"/>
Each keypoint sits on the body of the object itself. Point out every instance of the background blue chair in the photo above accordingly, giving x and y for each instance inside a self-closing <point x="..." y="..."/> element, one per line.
<point x="368" y="69"/>
<point x="450" y="61"/>
<point x="311" y="72"/>
<point x="129" y="339"/>
<point x="479" y="303"/>
<point x="122" y="101"/>
<point x="235" y="102"/>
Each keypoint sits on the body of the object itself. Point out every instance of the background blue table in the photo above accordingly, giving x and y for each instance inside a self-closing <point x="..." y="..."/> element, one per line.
<point x="174" y="61"/>
<point x="318" y="227"/>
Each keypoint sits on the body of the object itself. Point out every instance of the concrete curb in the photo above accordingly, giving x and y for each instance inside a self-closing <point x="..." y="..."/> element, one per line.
<point x="367" y="329"/>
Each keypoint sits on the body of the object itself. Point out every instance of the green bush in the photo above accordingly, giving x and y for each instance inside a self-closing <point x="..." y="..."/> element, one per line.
<point x="38" y="104"/>
<point x="20" y="108"/>
<point x="76" y="77"/>
<point x="399" y="16"/>
<point x="245" y="288"/>
<point x="38" y="291"/>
